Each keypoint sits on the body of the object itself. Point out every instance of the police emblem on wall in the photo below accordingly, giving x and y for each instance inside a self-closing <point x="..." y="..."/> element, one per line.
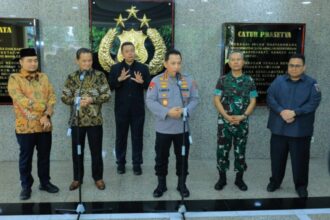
<point x="148" y="25"/>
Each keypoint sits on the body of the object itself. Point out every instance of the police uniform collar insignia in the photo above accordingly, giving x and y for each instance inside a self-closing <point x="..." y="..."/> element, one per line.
<point x="163" y="81"/>
<point x="165" y="76"/>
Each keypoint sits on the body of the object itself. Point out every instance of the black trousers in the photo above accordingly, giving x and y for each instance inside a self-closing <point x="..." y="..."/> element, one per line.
<point x="299" y="148"/>
<point x="123" y="123"/>
<point x="42" y="141"/>
<point x="94" y="135"/>
<point x="162" y="148"/>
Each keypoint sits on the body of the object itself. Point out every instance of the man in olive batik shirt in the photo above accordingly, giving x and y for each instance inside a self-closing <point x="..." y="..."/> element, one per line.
<point x="93" y="89"/>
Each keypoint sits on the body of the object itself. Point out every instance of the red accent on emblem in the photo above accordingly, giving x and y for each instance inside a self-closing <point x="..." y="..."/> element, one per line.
<point x="152" y="85"/>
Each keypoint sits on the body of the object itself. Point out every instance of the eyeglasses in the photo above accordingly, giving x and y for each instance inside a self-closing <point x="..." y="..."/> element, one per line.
<point x="295" y="66"/>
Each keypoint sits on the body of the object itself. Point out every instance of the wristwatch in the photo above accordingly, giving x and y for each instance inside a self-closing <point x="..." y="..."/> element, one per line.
<point x="245" y="116"/>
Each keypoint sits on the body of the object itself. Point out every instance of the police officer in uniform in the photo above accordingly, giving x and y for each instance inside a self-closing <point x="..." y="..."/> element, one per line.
<point x="129" y="79"/>
<point x="234" y="98"/>
<point x="165" y="102"/>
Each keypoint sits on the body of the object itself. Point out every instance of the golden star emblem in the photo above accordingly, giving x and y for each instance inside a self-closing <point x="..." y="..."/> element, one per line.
<point x="144" y="21"/>
<point x="132" y="12"/>
<point x="120" y="20"/>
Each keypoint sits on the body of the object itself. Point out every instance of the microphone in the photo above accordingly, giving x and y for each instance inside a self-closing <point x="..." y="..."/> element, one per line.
<point x="76" y="103"/>
<point x="82" y="79"/>
<point x="82" y="75"/>
<point x="185" y="114"/>
<point x="178" y="78"/>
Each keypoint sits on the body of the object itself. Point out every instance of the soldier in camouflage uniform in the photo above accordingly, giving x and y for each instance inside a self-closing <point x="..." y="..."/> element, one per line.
<point x="235" y="98"/>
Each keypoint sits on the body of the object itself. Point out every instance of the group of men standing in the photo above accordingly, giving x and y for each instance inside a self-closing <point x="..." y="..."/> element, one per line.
<point x="172" y="97"/>
<point x="292" y="99"/>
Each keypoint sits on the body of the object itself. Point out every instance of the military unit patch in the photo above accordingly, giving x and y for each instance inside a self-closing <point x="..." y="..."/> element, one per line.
<point x="152" y="85"/>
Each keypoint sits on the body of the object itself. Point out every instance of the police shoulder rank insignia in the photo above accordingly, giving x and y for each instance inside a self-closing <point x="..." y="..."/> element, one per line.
<point x="317" y="87"/>
<point x="165" y="102"/>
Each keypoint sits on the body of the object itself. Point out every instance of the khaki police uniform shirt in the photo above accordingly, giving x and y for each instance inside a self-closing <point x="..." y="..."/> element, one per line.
<point x="164" y="93"/>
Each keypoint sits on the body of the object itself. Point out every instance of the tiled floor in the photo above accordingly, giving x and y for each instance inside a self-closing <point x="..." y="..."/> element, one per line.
<point x="128" y="187"/>
<point x="203" y="175"/>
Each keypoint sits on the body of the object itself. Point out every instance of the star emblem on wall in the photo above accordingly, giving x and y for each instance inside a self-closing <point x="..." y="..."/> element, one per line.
<point x="132" y="12"/>
<point x="120" y="20"/>
<point x="144" y="21"/>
